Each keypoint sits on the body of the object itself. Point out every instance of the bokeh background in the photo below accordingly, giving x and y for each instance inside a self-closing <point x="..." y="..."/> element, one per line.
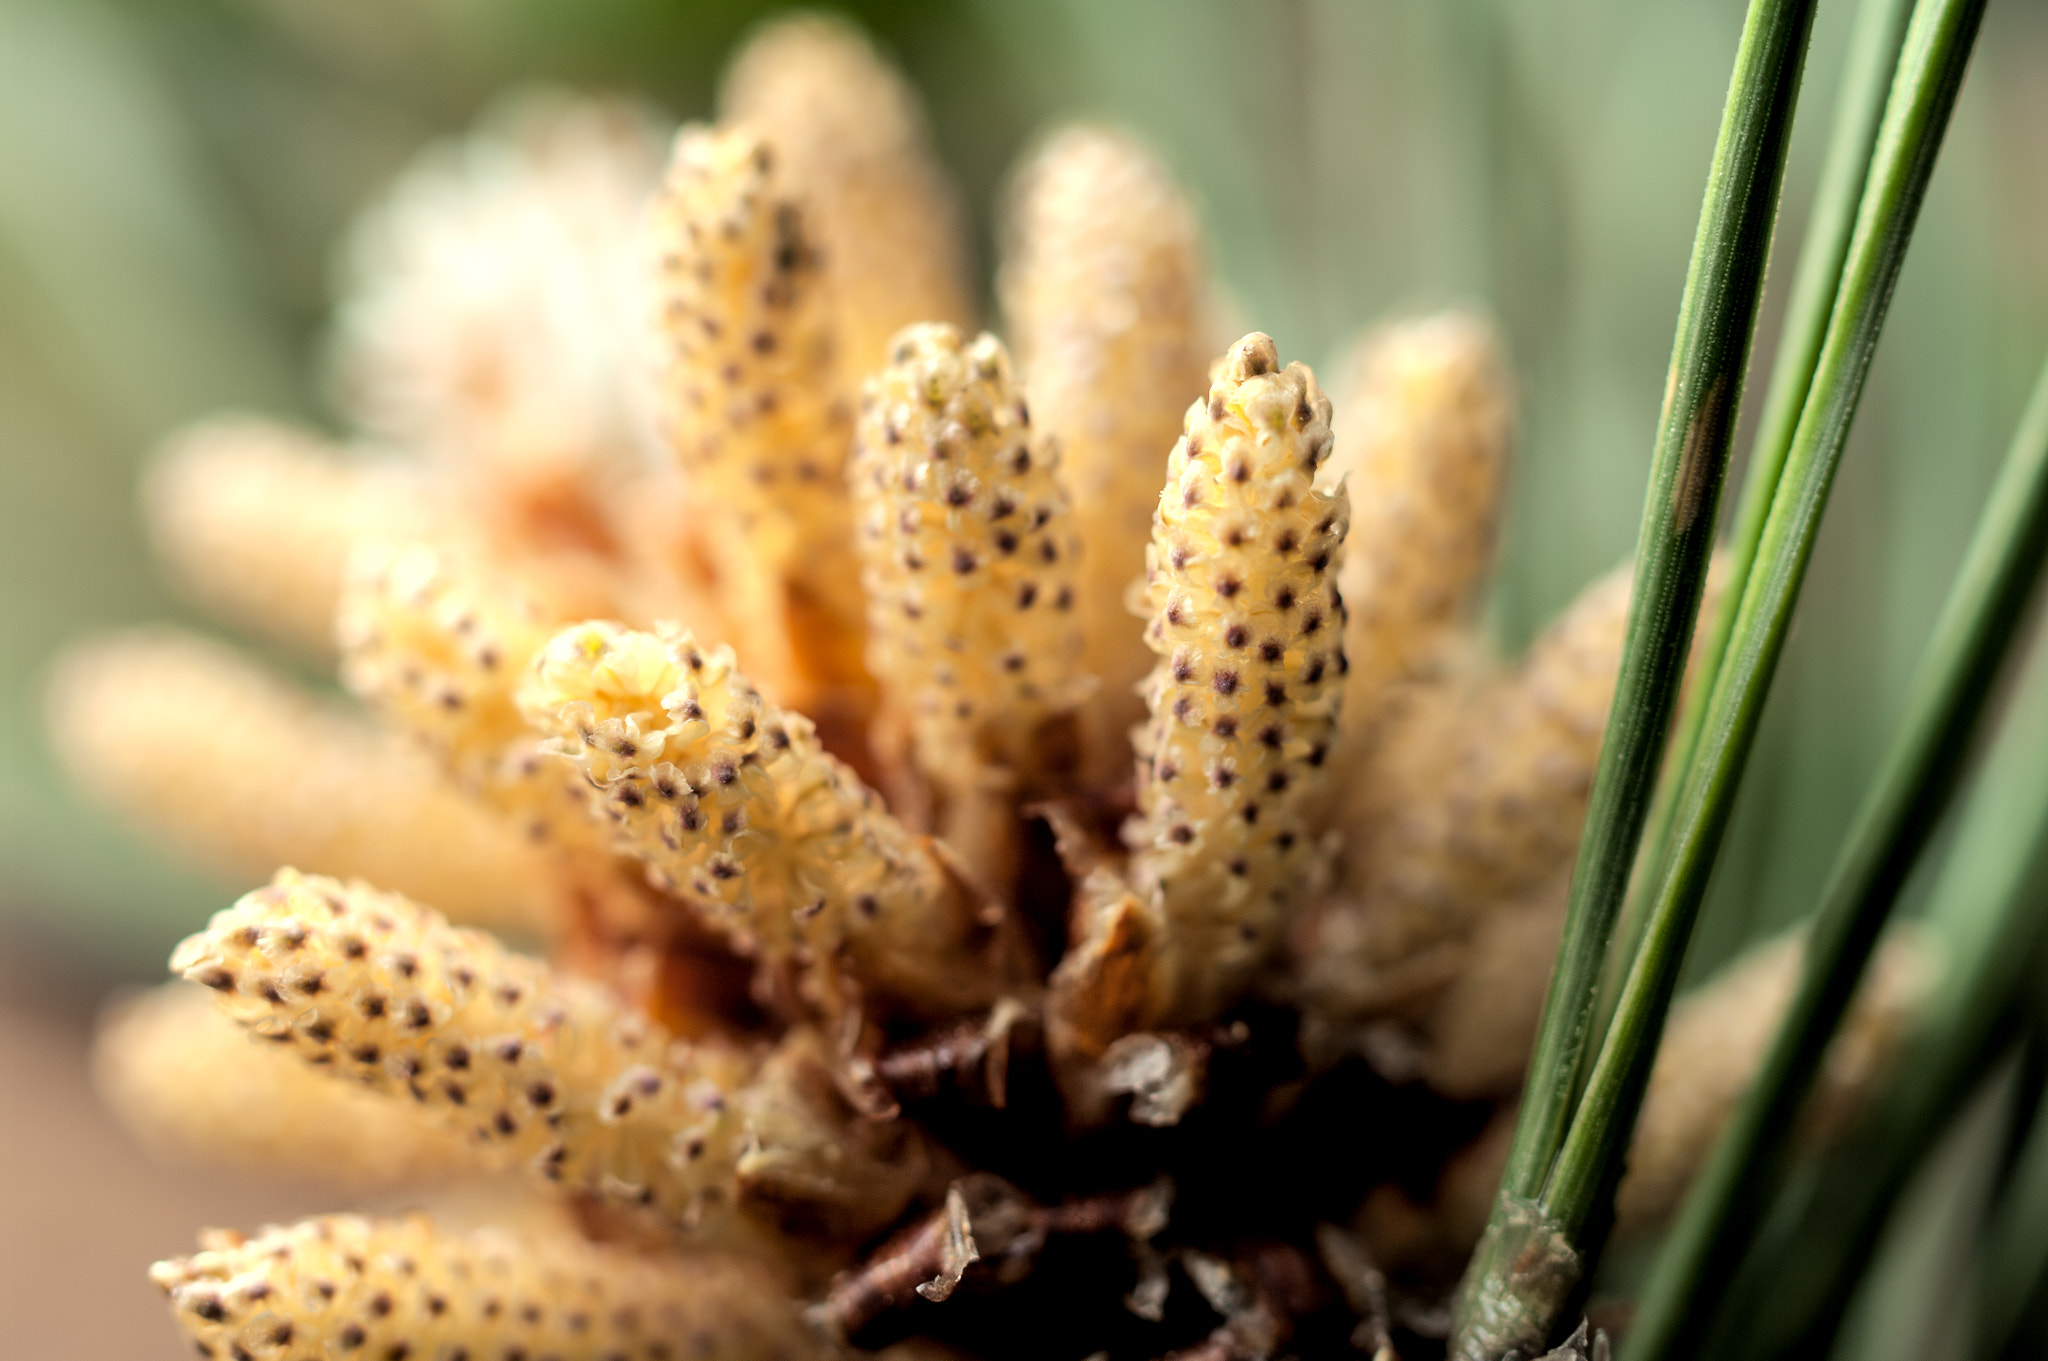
<point x="175" y="175"/>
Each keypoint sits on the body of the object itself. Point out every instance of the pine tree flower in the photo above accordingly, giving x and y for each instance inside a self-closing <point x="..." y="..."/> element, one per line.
<point x="1513" y="796"/>
<point x="784" y="1019"/>
<point x="195" y="1088"/>
<point x="492" y="296"/>
<point x="540" y="1069"/>
<point x="756" y="407"/>
<point x="404" y="1290"/>
<point x="732" y="803"/>
<point x="968" y="548"/>
<point x="239" y="770"/>
<point x="255" y="519"/>
<point x="1486" y="810"/>
<point x="1105" y="284"/>
<point x="491" y="326"/>
<point x="853" y="137"/>
<point x="439" y="648"/>
<point x="1422" y="432"/>
<point x="1248" y="626"/>
<point x="427" y="645"/>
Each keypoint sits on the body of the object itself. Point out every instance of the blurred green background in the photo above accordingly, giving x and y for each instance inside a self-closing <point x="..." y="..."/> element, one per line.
<point x="174" y="175"/>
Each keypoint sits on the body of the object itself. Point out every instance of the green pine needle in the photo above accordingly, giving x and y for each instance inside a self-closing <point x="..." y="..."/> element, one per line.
<point x="1874" y="42"/>
<point x="1970" y="642"/>
<point x="1499" y="1310"/>
<point x="1930" y="73"/>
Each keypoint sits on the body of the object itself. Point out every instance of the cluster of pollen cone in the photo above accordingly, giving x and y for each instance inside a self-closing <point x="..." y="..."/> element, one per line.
<point x="852" y="832"/>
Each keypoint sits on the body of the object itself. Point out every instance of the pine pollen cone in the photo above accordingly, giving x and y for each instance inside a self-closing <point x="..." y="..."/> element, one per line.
<point x="1248" y="627"/>
<point x="536" y="1068"/>
<point x="731" y="802"/>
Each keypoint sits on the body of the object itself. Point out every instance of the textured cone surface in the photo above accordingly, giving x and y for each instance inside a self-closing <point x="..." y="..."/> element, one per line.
<point x="1248" y="627"/>
<point x="441" y="656"/>
<point x="235" y="767"/>
<point x="731" y="802"/>
<point x="536" y="1068"/>
<point x="969" y="554"/>
<point x="345" y="1286"/>
<point x="854" y="138"/>
<point x="755" y="403"/>
<point x="1104" y="284"/>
